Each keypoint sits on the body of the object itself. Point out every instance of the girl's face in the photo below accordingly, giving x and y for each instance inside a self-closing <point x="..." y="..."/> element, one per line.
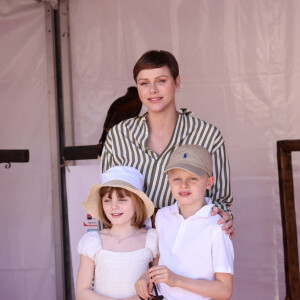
<point x="156" y="88"/>
<point x="119" y="211"/>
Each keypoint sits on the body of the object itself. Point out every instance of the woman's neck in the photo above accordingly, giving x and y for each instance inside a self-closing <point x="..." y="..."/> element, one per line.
<point x="158" y="121"/>
<point x="161" y="122"/>
<point x="161" y="127"/>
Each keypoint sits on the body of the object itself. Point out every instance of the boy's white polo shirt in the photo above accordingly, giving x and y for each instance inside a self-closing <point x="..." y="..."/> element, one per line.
<point x="195" y="247"/>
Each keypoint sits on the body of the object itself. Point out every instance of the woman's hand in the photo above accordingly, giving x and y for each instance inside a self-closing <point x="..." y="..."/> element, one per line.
<point x="225" y="218"/>
<point x="143" y="286"/>
<point x="162" y="274"/>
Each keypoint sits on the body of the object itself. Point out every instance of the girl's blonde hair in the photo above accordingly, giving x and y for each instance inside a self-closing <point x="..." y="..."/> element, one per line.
<point x="139" y="216"/>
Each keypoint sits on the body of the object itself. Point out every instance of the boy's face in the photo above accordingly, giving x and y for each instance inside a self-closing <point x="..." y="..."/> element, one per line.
<point x="188" y="188"/>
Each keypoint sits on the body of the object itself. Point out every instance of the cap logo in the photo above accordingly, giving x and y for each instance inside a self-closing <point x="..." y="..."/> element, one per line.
<point x="185" y="155"/>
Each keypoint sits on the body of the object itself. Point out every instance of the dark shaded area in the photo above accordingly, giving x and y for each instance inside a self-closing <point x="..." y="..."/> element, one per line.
<point x="125" y="107"/>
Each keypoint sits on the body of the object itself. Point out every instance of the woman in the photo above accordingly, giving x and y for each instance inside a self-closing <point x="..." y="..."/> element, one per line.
<point x="146" y="142"/>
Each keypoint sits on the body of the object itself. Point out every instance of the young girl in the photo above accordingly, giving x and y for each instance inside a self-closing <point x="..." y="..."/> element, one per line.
<point x="116" y="256"/>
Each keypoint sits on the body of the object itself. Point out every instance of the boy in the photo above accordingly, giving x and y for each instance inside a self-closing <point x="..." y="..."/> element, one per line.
<point x="196" y="256"/>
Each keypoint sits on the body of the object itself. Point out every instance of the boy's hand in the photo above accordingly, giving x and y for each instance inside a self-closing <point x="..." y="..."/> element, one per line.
<point x="159" y="274"/>
<point x="143" y="286"/>
<point x="225" y="218"/>
<point x="136" y="297"/>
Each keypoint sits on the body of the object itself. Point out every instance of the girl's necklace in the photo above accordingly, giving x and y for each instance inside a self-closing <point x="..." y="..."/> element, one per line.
<point x="119" y="240"/>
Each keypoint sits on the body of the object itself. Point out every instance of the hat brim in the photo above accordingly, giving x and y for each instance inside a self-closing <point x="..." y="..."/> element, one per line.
<point x="188" y="167"/>
<point x="91" y="205"/>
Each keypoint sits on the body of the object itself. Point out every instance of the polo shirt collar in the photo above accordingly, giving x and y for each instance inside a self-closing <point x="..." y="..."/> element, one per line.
<point x="203" y="212"/>
<point x="174" y="209"/>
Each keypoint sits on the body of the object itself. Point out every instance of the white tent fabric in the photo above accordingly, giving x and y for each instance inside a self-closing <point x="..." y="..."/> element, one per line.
<point x="27" y="261"/>
<point x="240" y="68"/>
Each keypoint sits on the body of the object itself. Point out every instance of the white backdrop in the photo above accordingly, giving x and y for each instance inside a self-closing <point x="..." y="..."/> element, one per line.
<point x="27" y="260"/>
<point x="240" y="68"/>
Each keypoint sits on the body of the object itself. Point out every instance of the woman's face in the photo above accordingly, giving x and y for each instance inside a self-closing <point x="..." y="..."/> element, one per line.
<point x="156" y="88"/>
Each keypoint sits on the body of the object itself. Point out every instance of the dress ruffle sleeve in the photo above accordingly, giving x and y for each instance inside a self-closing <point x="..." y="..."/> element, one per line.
<point x="90" y="244"/>
<point x="152" y="242"/>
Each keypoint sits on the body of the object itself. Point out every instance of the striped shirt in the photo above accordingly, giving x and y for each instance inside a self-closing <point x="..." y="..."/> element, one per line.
<point x="126" y="145"/>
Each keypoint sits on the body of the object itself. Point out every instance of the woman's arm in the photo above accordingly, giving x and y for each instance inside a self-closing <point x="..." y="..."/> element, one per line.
<point x="106" y="158"/>
<point x="220" y="289"/>
<point x="84" y="281"/>
<point x="220" y="193"/>
<point x="225" y="218"/>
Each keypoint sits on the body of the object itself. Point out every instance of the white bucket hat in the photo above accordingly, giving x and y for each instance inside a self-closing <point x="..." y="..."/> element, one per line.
<point x="124" y="177"/>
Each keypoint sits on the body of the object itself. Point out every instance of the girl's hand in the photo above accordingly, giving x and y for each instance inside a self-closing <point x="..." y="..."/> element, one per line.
<point x="162" y="274"/>
<point x="143" y="286"/>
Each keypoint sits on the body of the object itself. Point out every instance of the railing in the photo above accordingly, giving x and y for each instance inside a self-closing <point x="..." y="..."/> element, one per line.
<point x="9" y="156"/>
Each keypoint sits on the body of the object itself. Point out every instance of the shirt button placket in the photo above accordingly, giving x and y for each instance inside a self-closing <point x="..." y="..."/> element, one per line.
<point x="179" y="236"/>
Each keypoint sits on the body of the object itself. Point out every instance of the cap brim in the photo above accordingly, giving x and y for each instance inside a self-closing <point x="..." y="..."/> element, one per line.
<point x="193" y="169"/>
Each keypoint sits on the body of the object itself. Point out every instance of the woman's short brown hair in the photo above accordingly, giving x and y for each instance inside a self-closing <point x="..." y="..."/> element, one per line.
<point x="140" y="214"/>
<point x="156" y="59"/>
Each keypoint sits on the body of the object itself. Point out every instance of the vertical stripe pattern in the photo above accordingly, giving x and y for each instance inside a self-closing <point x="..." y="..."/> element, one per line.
<point x="126" y="145"/>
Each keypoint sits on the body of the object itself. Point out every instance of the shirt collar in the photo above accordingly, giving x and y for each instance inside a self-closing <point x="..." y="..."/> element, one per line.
<point x="179" y="122"/>
<point x="203" y="212"/>
<point x="144" y="117"/>
<point x="183" y="111"/>
<point x="174" y="209"/>
<point x="181" y="130"/>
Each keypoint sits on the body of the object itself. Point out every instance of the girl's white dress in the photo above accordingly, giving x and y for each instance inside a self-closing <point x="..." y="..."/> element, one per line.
<point x="117" y="272"/>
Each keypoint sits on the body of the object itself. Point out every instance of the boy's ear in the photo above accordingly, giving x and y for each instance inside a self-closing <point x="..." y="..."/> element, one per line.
<point x="210" y="182"/>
